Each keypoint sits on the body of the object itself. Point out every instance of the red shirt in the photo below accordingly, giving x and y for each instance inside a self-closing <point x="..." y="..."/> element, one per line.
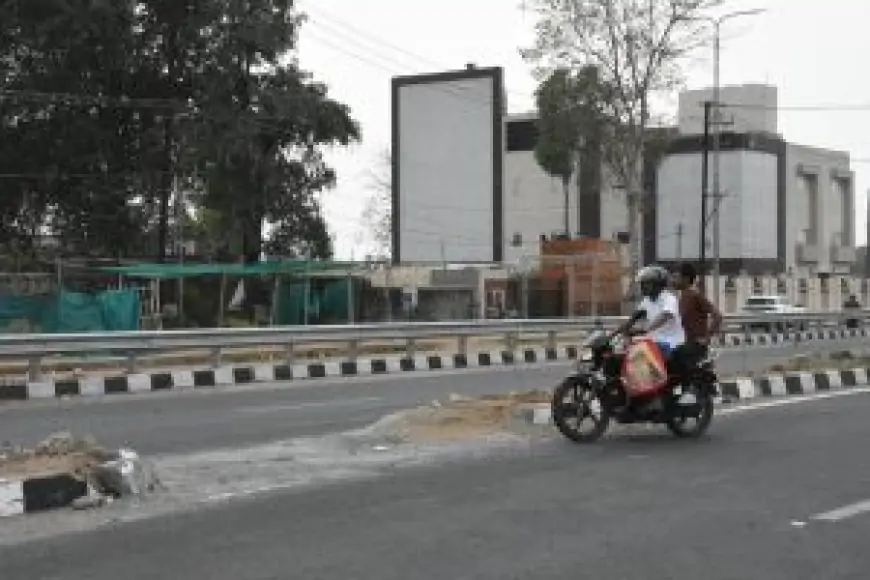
<point x="695" y="311"/>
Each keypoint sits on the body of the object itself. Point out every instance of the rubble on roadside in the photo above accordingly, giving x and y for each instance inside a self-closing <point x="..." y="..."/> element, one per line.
<point x="109" y="474"/>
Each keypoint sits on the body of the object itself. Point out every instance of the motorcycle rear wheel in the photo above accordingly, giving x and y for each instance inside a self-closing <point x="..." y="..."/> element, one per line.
<point x="571" y="406"/>
<point x="677" y="425"/>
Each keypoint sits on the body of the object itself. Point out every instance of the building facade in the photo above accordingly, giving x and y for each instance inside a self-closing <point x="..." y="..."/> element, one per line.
<point x="535" y="204"/>
<point x="787" y="211"/>
<point x="467" y="189"/>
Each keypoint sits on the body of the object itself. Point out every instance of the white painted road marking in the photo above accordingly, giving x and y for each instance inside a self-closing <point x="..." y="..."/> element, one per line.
<point x="792" y="400"/>
<point x="845" y="512"/>
<point x="309" y="405"/>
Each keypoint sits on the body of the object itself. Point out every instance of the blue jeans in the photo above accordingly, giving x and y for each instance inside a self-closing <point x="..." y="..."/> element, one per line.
<point x="665" y="348"/>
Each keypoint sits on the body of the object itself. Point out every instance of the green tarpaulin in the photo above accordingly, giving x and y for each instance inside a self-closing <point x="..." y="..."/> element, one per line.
<point x="327" y="302"/>
<point x="70" y="312"/>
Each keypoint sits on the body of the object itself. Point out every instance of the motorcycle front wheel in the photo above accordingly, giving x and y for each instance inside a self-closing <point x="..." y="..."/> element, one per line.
<point x="697" y="425"/>
<point x="577" y="404"/>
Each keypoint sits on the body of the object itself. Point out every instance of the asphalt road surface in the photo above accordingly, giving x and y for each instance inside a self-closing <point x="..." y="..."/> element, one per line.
<point x="159" y="423"/>
<point x="775" y="494"/>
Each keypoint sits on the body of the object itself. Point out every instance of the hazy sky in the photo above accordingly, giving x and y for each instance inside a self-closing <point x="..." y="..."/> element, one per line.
<point x="814" y="51"/>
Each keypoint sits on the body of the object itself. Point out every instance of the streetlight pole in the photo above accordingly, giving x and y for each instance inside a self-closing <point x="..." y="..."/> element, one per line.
<point x="717" y="120"/>
<point x="705" y="195"/>
<point x="717" y="123"/>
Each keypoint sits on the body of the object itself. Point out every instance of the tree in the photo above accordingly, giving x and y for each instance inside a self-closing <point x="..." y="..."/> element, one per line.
<point x="107" y="109"/>
<point x="638" y="47"/>
<point x="569" y="108"/>
<point x="263" y="125"/>
<point x="69" y="158"/>
<point x="378" y="215"/>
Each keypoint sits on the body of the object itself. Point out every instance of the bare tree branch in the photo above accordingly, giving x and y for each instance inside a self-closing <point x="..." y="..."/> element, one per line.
<point x="639" y="47"/>
<point x="377" y="215"/>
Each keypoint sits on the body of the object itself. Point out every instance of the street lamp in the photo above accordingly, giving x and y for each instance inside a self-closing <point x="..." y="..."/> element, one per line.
<point x="716" y="122"/>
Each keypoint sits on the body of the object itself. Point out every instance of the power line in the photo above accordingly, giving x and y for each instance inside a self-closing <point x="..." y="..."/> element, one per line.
<point x="375" y="40"/>
<point x="90" y="100"/>
<point x="394" y="71"/>
<point x="326" y="16"/>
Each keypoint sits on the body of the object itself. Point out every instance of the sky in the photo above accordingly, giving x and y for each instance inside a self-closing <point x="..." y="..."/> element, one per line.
<point x="812" y="50"/>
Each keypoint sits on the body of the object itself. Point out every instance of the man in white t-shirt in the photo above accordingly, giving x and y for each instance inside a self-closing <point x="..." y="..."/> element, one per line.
<point x="660" y="308"/>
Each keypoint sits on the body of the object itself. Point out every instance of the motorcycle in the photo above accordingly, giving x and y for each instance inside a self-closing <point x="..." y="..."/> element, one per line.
<point x="600" y="383"/>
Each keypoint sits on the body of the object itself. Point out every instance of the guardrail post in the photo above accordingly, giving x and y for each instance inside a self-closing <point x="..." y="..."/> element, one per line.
<point x="411" y="347"/>
<point x="551" y="340"/>
<point x="131" y="362"/>
<point x="462" y="345"/>
<point x="353" y="350"/>
<point x="289" y="355"/>
<point x="34" y="368"/>
<point x="216" y="357"/>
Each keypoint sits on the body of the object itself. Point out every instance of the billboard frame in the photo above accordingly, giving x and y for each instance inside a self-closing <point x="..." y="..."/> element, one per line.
<point x="496" y="74"/>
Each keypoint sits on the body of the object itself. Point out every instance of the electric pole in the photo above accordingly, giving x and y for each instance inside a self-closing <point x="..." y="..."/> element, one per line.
<point x="705" y="164"/>
<point x="717" y="194"/>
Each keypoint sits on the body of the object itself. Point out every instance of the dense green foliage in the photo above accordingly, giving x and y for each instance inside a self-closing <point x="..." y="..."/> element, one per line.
<point x="569" y="120"/>
<point x="107" y="108"/>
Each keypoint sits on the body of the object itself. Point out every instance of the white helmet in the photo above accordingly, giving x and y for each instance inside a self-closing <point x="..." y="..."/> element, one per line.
<point x="651" y="280"/>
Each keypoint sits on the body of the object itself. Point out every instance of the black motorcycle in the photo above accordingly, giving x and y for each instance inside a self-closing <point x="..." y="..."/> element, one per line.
<point x="595" y="393"/>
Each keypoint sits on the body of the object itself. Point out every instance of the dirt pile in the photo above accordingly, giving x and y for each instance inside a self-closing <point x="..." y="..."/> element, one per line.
<point x="464" y="418"/>
<point x="60" y="453"/>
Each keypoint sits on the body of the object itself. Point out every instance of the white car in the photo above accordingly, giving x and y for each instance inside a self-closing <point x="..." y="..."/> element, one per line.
<point x="761" y="304"/>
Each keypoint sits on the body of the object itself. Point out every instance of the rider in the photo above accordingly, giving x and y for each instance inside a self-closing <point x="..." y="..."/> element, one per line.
<point x="660" y="308"/>
<point x="701" y="319"/>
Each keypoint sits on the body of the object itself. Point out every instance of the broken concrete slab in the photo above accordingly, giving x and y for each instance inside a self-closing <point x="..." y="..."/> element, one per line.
<point x="63" y="471"/>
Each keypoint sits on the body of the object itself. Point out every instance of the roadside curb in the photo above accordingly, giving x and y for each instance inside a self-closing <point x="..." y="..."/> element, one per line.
<point x="41" y="493"/>
<point x="188" y="379"/>
<point x="745" y="389"/>
<point x="793" y="383"/>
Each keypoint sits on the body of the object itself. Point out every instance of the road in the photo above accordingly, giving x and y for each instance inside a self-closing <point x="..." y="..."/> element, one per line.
<point x="160" y="423"/>
<point x="737" y="505"/>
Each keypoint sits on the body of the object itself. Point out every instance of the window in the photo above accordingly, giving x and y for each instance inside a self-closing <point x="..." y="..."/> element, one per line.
<point x="841" y="194"/>
<point x="811" y="185"/>
<point x="845" y="286"/>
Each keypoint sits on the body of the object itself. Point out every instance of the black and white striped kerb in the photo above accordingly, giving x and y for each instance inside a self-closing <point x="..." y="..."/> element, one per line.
<point x="247" y="374"/>
<point x="36" y="494"/>
<point x="242" y="375"/>
<point x="802" y="383"/>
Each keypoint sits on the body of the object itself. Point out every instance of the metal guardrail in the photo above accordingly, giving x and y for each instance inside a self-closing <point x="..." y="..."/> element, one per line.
<point x="133" y="345"/>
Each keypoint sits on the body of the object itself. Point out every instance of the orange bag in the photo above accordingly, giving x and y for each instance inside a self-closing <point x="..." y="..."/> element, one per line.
<point x="644" y="369"/>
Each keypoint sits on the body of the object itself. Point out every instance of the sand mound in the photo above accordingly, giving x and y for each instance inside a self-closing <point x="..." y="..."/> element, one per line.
<point x="60" y="453"/>
<point x="463" y="418"/>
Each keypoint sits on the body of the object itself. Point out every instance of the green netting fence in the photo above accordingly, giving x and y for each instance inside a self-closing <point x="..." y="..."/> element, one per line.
<point x="70" y="312"/>
<point x="327" y="301"/>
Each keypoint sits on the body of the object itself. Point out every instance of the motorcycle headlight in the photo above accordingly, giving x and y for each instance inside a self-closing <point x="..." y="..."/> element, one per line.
<point x="585" y="355"/>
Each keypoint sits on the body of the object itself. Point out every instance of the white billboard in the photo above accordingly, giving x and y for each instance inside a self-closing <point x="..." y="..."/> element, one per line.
<point x="748" y="211"/>
<point x="447" y="167"/>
